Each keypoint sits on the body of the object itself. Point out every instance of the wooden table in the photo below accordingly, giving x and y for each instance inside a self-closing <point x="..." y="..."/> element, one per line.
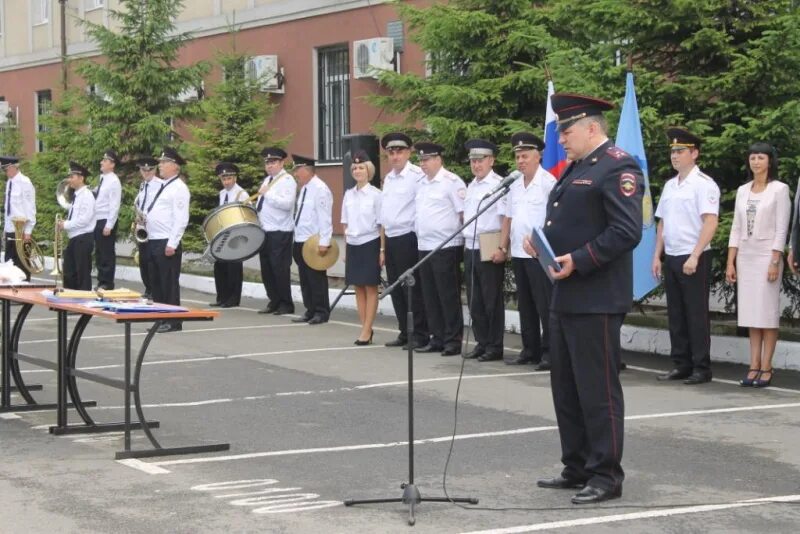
<point x="65" y="367"/>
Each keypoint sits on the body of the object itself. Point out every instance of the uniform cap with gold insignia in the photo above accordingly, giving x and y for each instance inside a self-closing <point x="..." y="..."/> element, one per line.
<point x="302" y="161"/>
<point x="480" y="148"/>
<point x="170" y="154"/>
<point x="273" y="153"/>
<point x="226" y="168"/>
<point x="572" y="107"/>
<point x="147" y="163"/>
<point x="111" y="155"/>
<point x="7" y="161"/>
<point x="426" y="149"/>
<point x="682" y="138"/>
<point x="361" y="157"/>
<point x="77" y="168"/>
<point x="395" y="140"/>
<point x="526" y="141"/>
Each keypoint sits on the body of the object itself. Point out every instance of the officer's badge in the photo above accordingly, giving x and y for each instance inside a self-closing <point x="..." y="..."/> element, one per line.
<point x="627" y="184"/>
<point x="462" y="193"/>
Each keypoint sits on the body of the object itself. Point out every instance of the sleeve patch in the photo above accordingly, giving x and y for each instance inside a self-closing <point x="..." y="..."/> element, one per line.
<point x="462" y="193"/>
<point x="627" y="184"/>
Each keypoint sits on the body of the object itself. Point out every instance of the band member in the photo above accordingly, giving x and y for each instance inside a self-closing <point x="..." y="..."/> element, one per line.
<point x="314" y="216"/>
<point x="147" y="192"/>
<point x="688" y="211"/>
<point x="593" y="223"/>
<point x="525" y="210"/>
<point x="484" y="279"/>
<point x="108" y="197"/>
<point x="167" y="218"/>
<point x="398" y="215"/>
<point x="361" y="209"/>
<point x="20" y="201"/>
<point x="228" y="275"/>
<point x="276" y="214"/>
<point x="79" y="224"/>
<point x="440" y="206"/>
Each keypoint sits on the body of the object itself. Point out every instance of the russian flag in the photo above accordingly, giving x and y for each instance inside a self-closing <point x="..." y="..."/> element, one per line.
<point x="629" y="139"/>
<point x="554" y="158"/>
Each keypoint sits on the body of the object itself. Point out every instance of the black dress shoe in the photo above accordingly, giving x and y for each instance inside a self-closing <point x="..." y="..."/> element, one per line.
<point x="593" y="494"/>
<point x="399" y="342"/>
<point x="451" y="351"/>
<point x="147" y="296"/>
<point x="302" y="319"/>
<point x="283" y="311"/>
<point x="229" y="305"/>
<point x="429" y="348"/>
<point x="490" y="357"/>
<point x="269" y="309"/>
<point x="675" y="374"/>
<point x="475" y="353"/>
<point x="543" y="365"/>
<point x="166" y="327"/>
<point x="519" y="360"/>
<point x="697" y="378"/>
<point x="560" y="482"/>
<point x="317" y="319"/>
<point x="214" y="304"/>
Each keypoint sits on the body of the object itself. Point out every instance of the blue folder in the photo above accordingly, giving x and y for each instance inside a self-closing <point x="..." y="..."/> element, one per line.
<point x="547" y="257"/>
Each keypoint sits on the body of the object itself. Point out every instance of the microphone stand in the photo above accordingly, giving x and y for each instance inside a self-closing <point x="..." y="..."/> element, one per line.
<point x="411" y="495"/>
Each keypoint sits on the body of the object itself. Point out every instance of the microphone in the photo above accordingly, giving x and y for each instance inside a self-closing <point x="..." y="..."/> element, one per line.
<point x="505" y="184"/>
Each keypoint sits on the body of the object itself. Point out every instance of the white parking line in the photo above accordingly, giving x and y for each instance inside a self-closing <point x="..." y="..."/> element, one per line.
<point x="148" y="468"/>
<point x="598" y="520"/>
<point x="516" y="431"/>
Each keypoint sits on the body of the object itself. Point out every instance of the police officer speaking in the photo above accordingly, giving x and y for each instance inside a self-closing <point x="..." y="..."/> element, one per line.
<point x="593" y="223"/>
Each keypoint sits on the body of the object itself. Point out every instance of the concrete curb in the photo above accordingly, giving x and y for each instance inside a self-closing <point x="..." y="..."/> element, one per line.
<point x="634" y="338"/>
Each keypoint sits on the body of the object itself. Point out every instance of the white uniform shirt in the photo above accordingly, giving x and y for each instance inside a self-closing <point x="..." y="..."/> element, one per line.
<point x="276" y="207"/>
<point x="314" y="212"/>
<point x="80" y="219"/>
<point x="234" y="194"/>
<point x="398" y="211"/>
<point x="681" y="207"/>
<point x="439" y="204"/>
<point x="109" y="197"/>
<point x="169" y="215"/>
<point x="361" y="211"/>
<point x="527" y="208"/>
<point x="21" y="203"/>
<point x="146" y="194"/>
<point x="490" y="220"/>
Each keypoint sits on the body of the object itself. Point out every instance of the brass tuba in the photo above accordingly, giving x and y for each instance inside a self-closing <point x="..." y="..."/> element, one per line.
<point x="28" y="252"/>
<point x="65" y="196"/>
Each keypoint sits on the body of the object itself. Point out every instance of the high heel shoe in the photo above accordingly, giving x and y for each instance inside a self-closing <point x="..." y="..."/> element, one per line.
<point x="747" y="381"/>
<point x="367" y="342"/>
<point x="759" y="383"/>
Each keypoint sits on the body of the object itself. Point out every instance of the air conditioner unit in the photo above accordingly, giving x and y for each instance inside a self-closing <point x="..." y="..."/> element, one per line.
<point x="191" y="94"/>
<point x="265" y="71"/>
<point x="372" y="56"/>
<point x="99" y="92"/>
<point x="5" y="109"/>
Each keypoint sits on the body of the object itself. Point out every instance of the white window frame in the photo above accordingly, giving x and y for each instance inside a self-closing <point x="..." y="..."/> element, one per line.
<point x="43" y="12"/>
<point x="91" y="5"/>
<point x="38" y="143"/>
<point x="2" y="16"/>
<point x="332" y="89"/>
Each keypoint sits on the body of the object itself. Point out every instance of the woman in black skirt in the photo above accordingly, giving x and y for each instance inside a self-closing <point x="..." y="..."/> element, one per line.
<point x="360" y="210"/>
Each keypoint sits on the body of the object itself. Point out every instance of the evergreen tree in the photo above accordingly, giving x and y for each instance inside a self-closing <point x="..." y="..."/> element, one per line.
<point x="236" y="115"/>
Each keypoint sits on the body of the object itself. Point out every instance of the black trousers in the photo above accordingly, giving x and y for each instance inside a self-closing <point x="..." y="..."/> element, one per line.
<point x="11" y="254"/>
<point x="144" y="267"/>
<point x="484" y="281"/>
<point x="313" y="286"/>
<point x="587" y="395"/>
<point x="105" y="254"/>
<point x="228" y="277"/>
<point x="276" y="264"/>
<point x="687" y="311"/>
<point x="400" y="255"/>
<point x="441" y="291"/>
<point x="165" y="272"/>
<point x="77" y="266"/>
<point x="534" y="290"/>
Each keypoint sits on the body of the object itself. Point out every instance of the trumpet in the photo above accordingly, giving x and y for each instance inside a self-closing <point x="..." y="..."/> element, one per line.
<point x="58" y="252"/>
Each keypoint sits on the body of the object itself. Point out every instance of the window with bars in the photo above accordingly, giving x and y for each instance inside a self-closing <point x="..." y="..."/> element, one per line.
<point x="333" y="94"/>
<point x="40" y="11"/>
<point x="44" y="100"/>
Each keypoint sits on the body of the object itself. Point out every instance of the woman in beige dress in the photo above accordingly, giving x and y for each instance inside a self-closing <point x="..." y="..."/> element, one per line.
<point x="755" y="262"/>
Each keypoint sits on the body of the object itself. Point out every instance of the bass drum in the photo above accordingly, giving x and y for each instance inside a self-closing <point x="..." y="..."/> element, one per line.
<point x="233" y="233"/>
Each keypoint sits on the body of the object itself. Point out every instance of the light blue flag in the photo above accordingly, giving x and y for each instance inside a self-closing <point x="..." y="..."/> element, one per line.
<point x="629" y="139"/>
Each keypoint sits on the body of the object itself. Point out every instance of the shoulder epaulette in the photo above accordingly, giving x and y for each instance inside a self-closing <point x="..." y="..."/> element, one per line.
<point x="616" y="152"/>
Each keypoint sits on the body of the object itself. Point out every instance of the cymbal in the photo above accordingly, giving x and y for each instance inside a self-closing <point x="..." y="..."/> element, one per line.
<point x="313" y="258"/>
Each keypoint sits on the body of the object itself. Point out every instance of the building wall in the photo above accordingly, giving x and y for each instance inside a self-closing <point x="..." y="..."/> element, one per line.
<point x="291" y="29"/>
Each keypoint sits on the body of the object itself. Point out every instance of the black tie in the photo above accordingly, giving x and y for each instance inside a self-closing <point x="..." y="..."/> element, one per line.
<point x="226" y="198"/>
<point x="8" y="197"/>
<point x="261" y="200"/>
<point x="144" y="200"/>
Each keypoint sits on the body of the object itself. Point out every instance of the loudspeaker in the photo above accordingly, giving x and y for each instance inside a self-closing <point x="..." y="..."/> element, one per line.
<point x="352" y="143"/>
